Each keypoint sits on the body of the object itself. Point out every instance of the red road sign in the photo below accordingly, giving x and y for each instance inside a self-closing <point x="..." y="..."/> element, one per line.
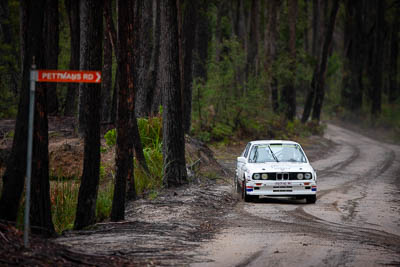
<point x="69" y="76"/>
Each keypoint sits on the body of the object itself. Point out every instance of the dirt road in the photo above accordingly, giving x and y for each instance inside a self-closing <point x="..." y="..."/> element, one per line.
<point x="355" y="222"/>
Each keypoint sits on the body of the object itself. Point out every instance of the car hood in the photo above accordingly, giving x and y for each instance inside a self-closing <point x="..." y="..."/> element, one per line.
<point x="279" y="167"/>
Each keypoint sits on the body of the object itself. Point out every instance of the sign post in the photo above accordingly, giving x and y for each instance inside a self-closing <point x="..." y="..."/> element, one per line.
<point x="66" y="76"/>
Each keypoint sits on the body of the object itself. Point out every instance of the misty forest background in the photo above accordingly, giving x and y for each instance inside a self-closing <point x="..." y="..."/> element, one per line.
<point x="222" y="69"/>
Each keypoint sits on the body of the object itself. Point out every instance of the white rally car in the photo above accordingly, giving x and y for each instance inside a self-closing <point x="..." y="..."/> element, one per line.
<point x="275" y="168"/>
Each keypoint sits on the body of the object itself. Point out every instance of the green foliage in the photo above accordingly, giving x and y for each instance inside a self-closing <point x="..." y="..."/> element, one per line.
<point x="111" y="137"/>
<point x="104" y="201"/>
<point x="150" y="130"/>
<point x="64" y="198"/>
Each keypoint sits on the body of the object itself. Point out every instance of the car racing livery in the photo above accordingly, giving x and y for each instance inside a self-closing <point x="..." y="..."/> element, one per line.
<point x="275" y="168"/>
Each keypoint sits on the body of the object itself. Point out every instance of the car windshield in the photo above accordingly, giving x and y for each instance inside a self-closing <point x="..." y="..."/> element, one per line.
<point x="276" y="153"/>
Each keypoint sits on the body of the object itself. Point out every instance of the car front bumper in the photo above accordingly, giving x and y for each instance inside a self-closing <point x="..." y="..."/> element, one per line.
<point x="281" y="188"/>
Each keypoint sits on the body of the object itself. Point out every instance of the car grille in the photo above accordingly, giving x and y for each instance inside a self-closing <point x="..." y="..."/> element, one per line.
<point x="277" y="176"/>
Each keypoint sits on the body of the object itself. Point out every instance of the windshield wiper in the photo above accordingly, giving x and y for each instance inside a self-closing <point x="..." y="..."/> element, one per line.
<point x="273" y="155"/>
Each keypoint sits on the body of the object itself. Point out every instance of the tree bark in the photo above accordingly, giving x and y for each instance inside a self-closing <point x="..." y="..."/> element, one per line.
<point x="202" y="38"/>
<point x="8" y="38"/>
<point x="316" y="27"/>
<point x="289" y="89"/>
<point x="91" y="35"/>
<point x="156" y="94"/>
<point x="14" y="175"/>
<point x="271" y="50"/>
<point x="306" y="39"/>
<point x="189" y="35"/>
<point x="352" y="83"/>
<point x="51" y="34"/>
<point x="394" y="87"/>
<point x="173" y="135"/>
<point x="40" y="209"/>
<point x="112" y="34"/>
<point x="376" y="67"/>
<point x="106" y="79"/>
<point x="320" y="75"/>
<point x="124" y="152"/>
<point x="144" y="58"/>
<point x="72" y="7"/>
<point x="251" y="64"/>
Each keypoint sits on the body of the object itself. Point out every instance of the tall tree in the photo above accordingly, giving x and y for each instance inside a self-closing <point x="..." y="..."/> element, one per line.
<point x="13" y="179"/>
<point x="72" y="7"/>
<point x="51" y="48"/>
<point x="354" y="51"/>
<point x="124" y="152"/>
<point x="375" y="69"/>
<point x="394" y="85"/>
<point x="289" y="89"/>
<point x="91" y="35"/>
<point x="144" y="58"/>
<point x="173" y="135"/>
<point x="319" y="80"/>
<point x="134" y="130"/>
<point x="154" y="85"/>
<point x="112" y="36"/>
<point x="189" y="34"/>
<point x="251" y="65"/>
<point x="106" y="81"/>
<point x="271" y="48"/>
<point x="8" y="38"/>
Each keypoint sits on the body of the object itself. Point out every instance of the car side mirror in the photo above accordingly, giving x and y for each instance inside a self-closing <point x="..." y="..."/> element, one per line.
<point x="241" y="159"/>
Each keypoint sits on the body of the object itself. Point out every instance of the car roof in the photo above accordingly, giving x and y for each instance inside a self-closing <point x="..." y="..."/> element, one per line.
<point x="257" y="142"/>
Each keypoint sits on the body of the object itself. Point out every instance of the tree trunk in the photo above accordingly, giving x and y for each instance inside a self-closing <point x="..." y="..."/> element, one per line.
<point x="289" y="89"/>
<point x="316" y="28"/>
<point x="124" y="152"/>
<point x="156" y="94"/>
<point x="106" y="79"/>
<point x="40" y="210"/>
<point x="8" y="39"/>
<point x="306" y="39"/>
<point x="376" y="67"/>
<point x="394" y="54"/>
<point x="91" y="25"/>
<point x="201" y="43"/>
<point x="222" y="9"/>
<point x="173" y="135"/>
<point x="51" y="48"/>
<point x="14" y="175"/>
<point x="112" y="34"/>
<point x="113" y="112"/>
<point x="251" y="64"/>
<point x="352" y="83"/>
<point x="144" y="57"/>
<point x="189" y="35"/>
<point x="72" y="7"/>
<point x="320" y="75"/>
<point x="271" y="49"/>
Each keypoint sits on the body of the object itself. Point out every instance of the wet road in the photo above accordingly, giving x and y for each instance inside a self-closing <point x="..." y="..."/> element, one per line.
<point x="355" y="222"/>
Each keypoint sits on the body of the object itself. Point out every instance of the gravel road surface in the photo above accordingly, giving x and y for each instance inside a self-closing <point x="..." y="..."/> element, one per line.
<point x="355" y="222"/>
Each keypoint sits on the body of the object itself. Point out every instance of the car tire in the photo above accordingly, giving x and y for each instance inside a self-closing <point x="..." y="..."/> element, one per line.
<point x="237" y="185"/>
<point x="311" y="199"/>
<point x="245" y="196"/>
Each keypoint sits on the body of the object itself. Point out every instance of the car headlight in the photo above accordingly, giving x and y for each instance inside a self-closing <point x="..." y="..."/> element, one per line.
<point x="256" y="176"/>
<point x="300" y="176"/>
<point x="307" y="175"/>
<point x="264" y="176"/>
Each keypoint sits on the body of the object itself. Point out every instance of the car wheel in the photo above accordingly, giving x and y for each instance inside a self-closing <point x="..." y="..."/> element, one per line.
<point x="311" y="199"/>
<point x="245" y="196"/>
<point x="237" y="186"/>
